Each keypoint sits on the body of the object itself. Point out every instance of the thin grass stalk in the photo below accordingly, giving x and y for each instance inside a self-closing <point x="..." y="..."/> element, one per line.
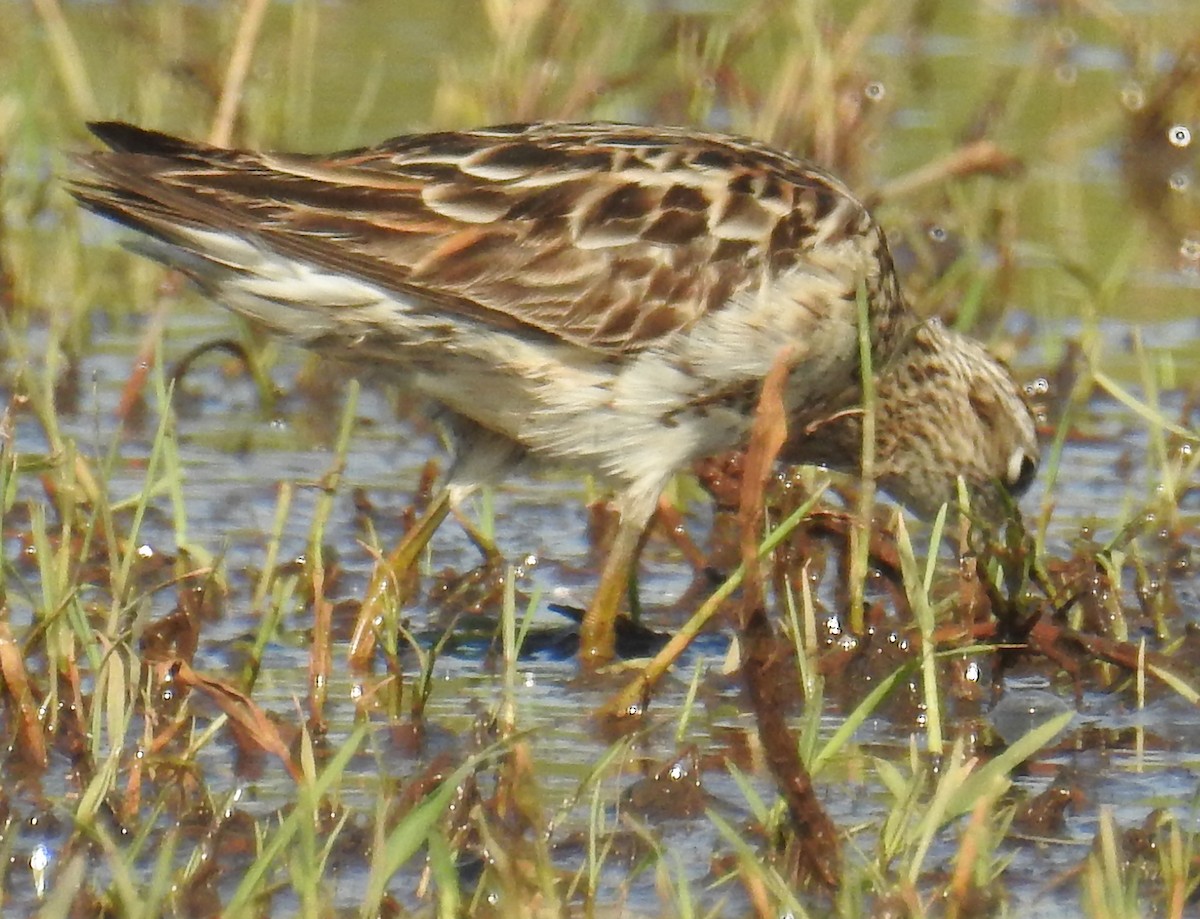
<point x="689" y="701"/>
<point x="304" y="862"/>
<point x="254" y="881"/>
<point x="157" y="892"/>
<point x="302" y="64"/>
<point x="1139" y="734"/>
<point x="860" y="531"/>
<point x="266" y="577"/>
<point x="68" y="59"/>
<point x="173" y="467"/>
<point x="320" y="658"/>
<point x="922" y="608"/>
<point x="238" y="69"/>
<point x="269" y="616"/>
<point x="320" y="652"/>
<point x="60" y="902"/>
<point x="125" y="886"/>
<point x="332" y="479"/>
<point x="953" y="772"/>
<point x="445" y="877"/>
<point x="852" y="722"/>
<point x="759" y="873"/>
<point x="1148" y="413"/>
<point x="507" y="716"/>
<point x="406" y="838"/>
<point x="122" y="583"/>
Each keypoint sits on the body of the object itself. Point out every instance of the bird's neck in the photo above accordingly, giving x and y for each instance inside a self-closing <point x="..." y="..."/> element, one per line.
<point x="836" y="440"/>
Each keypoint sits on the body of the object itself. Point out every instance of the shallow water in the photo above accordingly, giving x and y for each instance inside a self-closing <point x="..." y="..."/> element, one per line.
<point x="1103" y="204"/>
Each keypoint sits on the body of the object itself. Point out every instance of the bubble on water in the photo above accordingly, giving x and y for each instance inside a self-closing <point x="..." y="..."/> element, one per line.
<point x="1179" y="135"/>
<point x="937" y="233"/>
<point x="875" y="91"/>
<point x="1020" y="711"/>
<point x="1179" y="181"/>
<point x="1133" y="97"/>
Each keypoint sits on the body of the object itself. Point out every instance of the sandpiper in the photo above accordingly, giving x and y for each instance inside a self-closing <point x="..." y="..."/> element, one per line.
<point x="608" y="296"/>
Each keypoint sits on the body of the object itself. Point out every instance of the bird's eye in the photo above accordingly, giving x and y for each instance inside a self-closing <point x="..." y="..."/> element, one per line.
<point x="1021" y="469"/>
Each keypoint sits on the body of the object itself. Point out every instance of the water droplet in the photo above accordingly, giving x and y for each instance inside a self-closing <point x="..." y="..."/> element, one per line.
<point x="1133" y="97"/>
<point x="39" y="861"/>
<point x="1179" y="181"/>
<point x="875" y="91"/>
<point x="1179" y="135"/>
<point x="938" y="234"/>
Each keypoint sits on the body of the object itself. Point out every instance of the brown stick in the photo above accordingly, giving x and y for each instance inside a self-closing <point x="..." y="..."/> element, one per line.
<point x="818" y="848"/>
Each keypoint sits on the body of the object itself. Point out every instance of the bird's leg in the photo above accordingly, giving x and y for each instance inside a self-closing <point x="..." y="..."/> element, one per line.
<point x="482" y="456"/>
<point x="598" y="633"/>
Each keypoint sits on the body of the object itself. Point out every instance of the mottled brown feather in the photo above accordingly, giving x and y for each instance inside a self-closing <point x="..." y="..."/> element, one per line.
<point x="515" y="226"/>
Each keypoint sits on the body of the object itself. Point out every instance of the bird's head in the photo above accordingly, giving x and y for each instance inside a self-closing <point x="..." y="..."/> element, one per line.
<point x="944" y="408"/>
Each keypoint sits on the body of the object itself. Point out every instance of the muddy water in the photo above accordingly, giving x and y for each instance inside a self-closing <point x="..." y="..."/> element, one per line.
<point x="1115" y="192"/>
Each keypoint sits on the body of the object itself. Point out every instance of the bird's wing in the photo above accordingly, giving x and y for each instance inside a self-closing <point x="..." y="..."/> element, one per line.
<point x="608" y="236"/>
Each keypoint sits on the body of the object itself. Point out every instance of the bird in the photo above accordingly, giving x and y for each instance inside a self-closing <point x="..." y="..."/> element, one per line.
<point x="605" y="296"/>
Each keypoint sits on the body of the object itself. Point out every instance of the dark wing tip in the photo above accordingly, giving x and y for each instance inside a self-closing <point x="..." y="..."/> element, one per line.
<point x="128" y="138"/>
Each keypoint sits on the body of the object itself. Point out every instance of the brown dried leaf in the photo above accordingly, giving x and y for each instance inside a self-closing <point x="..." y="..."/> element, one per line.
<point x="240" y="709"/>
<point x="16" y="683"/>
